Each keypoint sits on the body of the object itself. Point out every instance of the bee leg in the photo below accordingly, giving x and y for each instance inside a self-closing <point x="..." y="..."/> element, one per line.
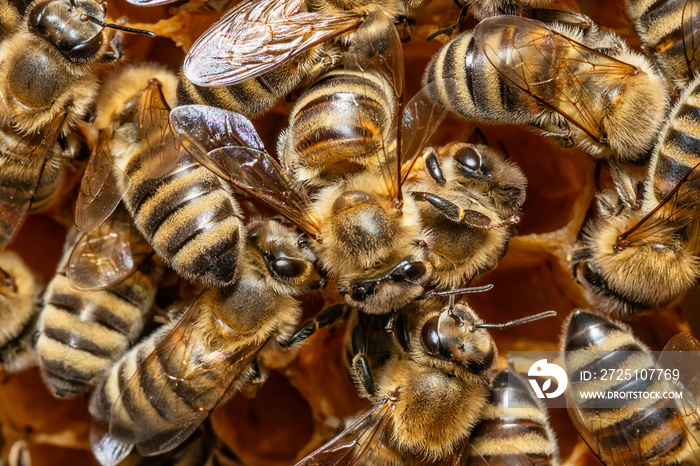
<point x="360" y="363"/>
<point x="432" y="164"/>
<point x="403" y="23"/>
<point x="116" y="51"/>
<point x="71" y="147"/>
<point x="324" y="318"/>
<point x="570" y="18"/>
<point x="396" y="325"/>
<point x="457" y="214"/>
<point x="624" y="186"/>
<point x="462" y="15"/>
<point x="257" y="379"/>
<point x="560" y="132"/>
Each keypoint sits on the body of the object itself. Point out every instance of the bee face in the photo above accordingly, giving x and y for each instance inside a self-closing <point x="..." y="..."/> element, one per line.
<point x="65" y="24"/>
<point x="391" y="286"/>
<point x="450" y="336"/>
<point x="286" y="256"/>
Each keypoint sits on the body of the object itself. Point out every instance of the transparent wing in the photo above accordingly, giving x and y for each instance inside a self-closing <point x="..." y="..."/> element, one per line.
<point x="182" y="380"/>
<point x="550" y="67"/>
<point x="257" y="36"/>
<point x="107" y="450"/>
<point x="200" y="129"/>
<point x="258" y="174"/>
<point x="227" y="144"/>
<point x="21" y="171"/>
<point x="690" y="27"/>
<point x="355" y="442"/>
<point x="108" y="254"/>
<point x="101" y="189"/>
<point x="679" y="208"/>
<point x="684" y="373"/>
<point x="421" y="117"/>
<point x="157" y="147"/>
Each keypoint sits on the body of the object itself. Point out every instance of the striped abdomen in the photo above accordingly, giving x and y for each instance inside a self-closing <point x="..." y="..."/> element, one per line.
<point x="82" y="333"/>
<point x="660" y="26"/>
<point x="622" y="431"/>
<point x="678" y="151"/>
<point x="189" y="218"/>
<point x="520" y="434"/>
<point x="256" y="96"/>
<point x="480" y="93"/>
<point x="338" y="126"/>
<point x="171" y="380"/>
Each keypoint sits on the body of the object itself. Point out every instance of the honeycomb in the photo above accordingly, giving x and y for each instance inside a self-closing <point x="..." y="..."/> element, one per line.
<point x="307" y="396"/>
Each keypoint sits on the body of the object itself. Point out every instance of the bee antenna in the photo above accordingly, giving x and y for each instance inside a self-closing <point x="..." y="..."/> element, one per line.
<point x="524" y="320"/>
<point x="116" y="26"/>
<point x="468" y="289"/>
<point x="450" y="312"/>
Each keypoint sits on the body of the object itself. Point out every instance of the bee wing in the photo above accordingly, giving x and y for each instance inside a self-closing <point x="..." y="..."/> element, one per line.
<point x="352" y="444"/>
<point x="421" y="117"/>
<point x="227" y="144"/>
<point x="200" y="129"/>
<point x="157" y="148"/>
<point x="679" y="208"/>
<point x="690" y="28"/>
<point x="179" y="383"/>
<point x="257" y="36"/>
<point x="258" y="174"/>
<point x="107" y="255"/>
<point x="107" y="450"/>
<point x="24" y="165"/>
<point x="549" y="66"/>
<point x="101" y="189"/>
<point x="681" y="356"/>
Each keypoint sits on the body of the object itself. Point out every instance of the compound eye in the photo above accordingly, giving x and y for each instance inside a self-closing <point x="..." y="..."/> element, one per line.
<point x="85" y="51"/>
<point x="34" y="20"/>
<point x="288" y="268"/>
<point x="429" y="337"/>
<point x="361" y="292"/>
<point x="469" y="158"/>
<point x="414" y="270"/>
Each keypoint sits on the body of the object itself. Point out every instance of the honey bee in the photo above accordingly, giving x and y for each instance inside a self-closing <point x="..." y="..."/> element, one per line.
<point x="156" y="401"/>
<point x="82" y="333"/>
<point x="299" y="41"/>
<point x="369" y="238"/>
<point x="47" y="69"/>
<point x="469" y="196"/>
<point x="19" y="295"/>
<point x="640" y="261"/>
<point x="367" y="233"/>
<point x="514" y="427"/>
<point x="664" y="431"/>
<point x="516" y="70"/>
<point x="671" y="33"/>
<point x="428" y="390"/>
<point x="185" y="212"/>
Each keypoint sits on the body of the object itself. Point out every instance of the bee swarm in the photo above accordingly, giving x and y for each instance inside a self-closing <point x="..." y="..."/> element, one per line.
<point x="306" y="398"/>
